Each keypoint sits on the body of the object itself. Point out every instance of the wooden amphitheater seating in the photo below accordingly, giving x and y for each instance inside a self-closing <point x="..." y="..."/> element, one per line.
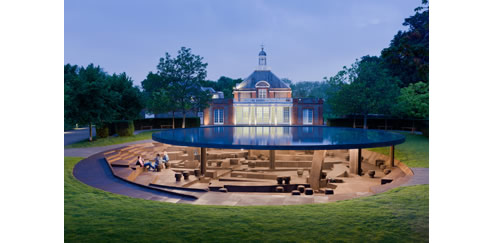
<point x="122" y="163"/>
<point x="137" y="171"/>
<point x="393" y="175"/>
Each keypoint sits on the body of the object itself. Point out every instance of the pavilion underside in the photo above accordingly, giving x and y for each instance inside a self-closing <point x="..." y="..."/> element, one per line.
<point x="340" y="172"/>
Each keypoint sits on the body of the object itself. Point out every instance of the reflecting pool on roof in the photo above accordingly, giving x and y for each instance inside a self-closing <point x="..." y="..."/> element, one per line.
<point x="278" y="137"/>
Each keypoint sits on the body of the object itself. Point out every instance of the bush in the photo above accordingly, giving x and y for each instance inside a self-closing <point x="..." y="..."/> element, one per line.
<point x="375" y="123"/>
<point x="124" y="128"/>
<point x="157" y="122"/>
<point x="102" y="131"/>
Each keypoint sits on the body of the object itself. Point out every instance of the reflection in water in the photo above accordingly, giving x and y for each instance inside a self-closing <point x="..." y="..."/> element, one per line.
<point x="262" y="135"/>
<point x="278" y="135"/>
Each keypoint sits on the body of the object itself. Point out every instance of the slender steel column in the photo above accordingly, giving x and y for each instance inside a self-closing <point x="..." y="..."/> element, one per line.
<point x="359" y="161"/>
<point x="203" y="161"/>
<point x="392" y="156"/>
<point x="272" y="159"/>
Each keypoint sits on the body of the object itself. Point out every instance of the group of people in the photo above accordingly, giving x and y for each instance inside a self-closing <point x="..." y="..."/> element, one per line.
<point x="158" y="160"/>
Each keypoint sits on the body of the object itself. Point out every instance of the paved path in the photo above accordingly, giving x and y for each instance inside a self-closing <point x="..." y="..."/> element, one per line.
<point x="421" y="177"/>
<point x="83" y="133"/>
<point x="86" y="152"/>
<point x="95" y="172"/>
<point x="78" y="134"/>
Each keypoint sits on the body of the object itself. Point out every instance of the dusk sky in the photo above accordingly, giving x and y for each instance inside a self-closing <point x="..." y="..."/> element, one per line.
<point x="304" y="40"/>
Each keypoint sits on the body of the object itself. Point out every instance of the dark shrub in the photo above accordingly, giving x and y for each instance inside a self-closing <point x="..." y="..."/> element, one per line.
<point x="124" y="128"/>
<point x="102" y="131"/>
<point x="157" y="122"/>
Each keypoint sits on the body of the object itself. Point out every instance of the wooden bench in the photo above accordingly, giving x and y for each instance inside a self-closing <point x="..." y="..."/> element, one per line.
<point x="166" y="126"/>
<point x="145" y="127"/>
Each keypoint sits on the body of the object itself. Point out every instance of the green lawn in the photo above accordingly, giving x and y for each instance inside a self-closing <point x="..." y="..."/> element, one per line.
<point x="414" y="152"/>
<point x="112" y="140"/>
<point x="93" y="215"/>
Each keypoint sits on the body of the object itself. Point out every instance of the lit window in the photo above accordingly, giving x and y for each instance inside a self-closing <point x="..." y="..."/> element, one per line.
<point x="262" y="93"/>
<point x="219" y="116"/>
<point x="286" y="114"/>
<point x="307" y="116"/>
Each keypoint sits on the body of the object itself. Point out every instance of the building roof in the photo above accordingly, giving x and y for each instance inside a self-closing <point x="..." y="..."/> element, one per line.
<point x="262" y="75"/>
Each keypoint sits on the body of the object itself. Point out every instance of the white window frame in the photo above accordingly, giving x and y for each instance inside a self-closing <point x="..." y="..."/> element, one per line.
<point x="262" y="92"/>
<point x="286" y="114"/>
<point x="218" y="116"/>
<point x="307" y="116"/>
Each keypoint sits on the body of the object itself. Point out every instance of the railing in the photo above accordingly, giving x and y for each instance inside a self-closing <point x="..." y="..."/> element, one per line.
<point x="265" y="100"/>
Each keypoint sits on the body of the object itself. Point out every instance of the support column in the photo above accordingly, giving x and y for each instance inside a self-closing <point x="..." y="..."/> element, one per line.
<point x="272" y="159"/>
<point x="392" y="156"/>
<point x="316" y="168"/>
<point x="355" y="164"/>
<point x="203" y="161"/>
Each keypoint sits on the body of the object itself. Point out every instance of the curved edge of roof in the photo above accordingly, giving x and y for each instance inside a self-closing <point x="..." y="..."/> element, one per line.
<point x="262" y="75"/>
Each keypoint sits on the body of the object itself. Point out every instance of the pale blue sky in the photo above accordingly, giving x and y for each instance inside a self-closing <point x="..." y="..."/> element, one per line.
<point x="304" y="40"/>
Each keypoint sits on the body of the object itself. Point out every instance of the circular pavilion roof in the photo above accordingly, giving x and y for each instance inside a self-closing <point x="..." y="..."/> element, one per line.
<point x="279" y="137"/>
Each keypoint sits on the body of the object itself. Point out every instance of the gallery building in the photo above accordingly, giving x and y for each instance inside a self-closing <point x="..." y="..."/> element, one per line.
<point x="264" y="99"/>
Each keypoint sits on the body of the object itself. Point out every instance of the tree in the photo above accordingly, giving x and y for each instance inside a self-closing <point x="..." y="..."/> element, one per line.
<point x="70" y="76"/>
<point x="407" y="57"/>
<point x="413" y="101"/>
<point x="157" y="96"/>
<point x="94" y="97"/>
<point x="224" y="84"/>
<point x="364" y="88"/>
<point x="154" y="82"/>
<point x="130" y="101"/>
<point x="227" y="85"/>
<point x="287" y="81"/>
<point x="91" y="99"/>
<point x="182" y="75"/>
<point x="201" y="100"/>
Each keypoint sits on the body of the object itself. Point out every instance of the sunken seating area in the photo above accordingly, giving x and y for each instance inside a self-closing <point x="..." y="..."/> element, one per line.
<point x="232" y="171"/>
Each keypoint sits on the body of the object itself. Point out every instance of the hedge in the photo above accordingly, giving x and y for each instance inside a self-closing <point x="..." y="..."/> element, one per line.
<point x="102" y="131"/>
<point x="123" y="128"/>
<point x="379" y="123"/>
<point x="157" y="122"/>
<point x="127" y="128"/>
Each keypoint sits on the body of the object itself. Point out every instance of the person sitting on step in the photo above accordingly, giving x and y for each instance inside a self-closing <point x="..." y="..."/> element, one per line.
<point x="140" y="161"/>
<point x="151" y="166"/>
<point x="158" y="161"/>
<point x="165" y="158"/>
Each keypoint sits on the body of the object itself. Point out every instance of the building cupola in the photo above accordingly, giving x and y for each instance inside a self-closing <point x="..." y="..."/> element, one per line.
<point x="262" y="63"/>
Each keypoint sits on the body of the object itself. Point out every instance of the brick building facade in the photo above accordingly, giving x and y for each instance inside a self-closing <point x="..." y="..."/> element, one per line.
<point x="263" y="99"/>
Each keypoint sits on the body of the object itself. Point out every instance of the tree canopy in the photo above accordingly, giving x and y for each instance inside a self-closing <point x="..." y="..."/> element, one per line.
<point x="180" y="80"/>
<point x="94" y="97"/>
<point x="413" y="101"/>
<point x="407" y="57"/>
<point x="372" y="85"/>
<point x="224" y="84"/>
<point x="364" y="88"/>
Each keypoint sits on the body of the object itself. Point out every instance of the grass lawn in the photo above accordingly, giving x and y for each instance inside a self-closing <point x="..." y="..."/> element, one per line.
<point x="111" y="140"/>
<point x="414" y="152"/>
<point x="93" y="215"/>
